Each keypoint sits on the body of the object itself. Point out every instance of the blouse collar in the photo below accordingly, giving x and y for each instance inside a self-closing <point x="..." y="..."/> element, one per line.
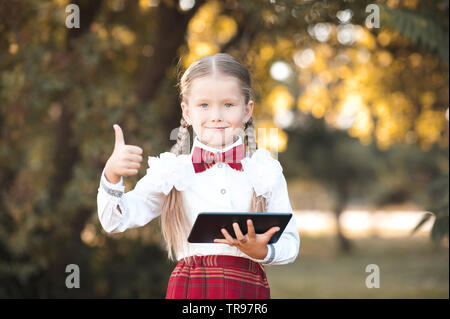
<point x="213" y="149"/>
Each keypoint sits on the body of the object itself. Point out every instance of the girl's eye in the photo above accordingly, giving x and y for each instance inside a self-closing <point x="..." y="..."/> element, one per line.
<point x="201" y="105"/>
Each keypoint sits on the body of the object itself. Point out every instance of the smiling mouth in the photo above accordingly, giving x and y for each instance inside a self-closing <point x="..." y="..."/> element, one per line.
<point x="217" y="128"/>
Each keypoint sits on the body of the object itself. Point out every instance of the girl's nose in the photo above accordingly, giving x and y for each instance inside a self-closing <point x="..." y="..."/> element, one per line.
<point x="216" y="114"/>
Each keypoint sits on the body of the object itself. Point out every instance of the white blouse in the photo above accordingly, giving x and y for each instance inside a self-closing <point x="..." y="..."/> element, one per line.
<point x="219" y="189"/>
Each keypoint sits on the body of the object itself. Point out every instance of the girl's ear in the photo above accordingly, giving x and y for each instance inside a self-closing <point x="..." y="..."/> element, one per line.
<point x="248" y="111"/>
<point x="185" y="111"/>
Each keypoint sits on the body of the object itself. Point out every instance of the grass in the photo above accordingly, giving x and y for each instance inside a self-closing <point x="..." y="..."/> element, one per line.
<point x="409" y="268"/>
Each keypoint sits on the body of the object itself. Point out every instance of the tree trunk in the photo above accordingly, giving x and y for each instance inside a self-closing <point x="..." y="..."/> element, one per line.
<point x="345" y="245"/>
<point x="172" y="27"/>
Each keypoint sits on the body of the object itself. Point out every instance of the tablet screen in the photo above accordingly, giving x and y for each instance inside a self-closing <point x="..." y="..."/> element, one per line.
<point x="207" y="226"/>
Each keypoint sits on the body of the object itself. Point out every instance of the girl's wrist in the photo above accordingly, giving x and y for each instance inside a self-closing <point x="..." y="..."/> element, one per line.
<point x="111" y="177"/>
<point x="262" y="254"/>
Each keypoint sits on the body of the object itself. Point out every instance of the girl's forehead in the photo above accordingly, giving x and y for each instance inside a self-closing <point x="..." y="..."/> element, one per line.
<point x="215" y="86"/>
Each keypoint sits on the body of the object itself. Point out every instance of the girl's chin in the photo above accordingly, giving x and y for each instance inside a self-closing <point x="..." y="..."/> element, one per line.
<point x="217" y="141"/>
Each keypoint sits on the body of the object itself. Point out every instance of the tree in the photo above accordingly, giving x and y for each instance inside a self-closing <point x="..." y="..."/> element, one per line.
<point x="62" y="89"/>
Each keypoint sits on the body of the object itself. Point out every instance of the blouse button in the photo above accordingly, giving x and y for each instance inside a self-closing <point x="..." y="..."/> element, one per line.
<point x="223" y="190"/>
<point x="219" y="165"/>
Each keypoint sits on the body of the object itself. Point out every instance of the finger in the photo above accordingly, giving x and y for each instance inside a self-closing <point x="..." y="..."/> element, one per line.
<point x="119" y="139"/>
<point x="134" y="157"/>
<point x="251" y="229"/>
<point x="239" y="236"/>
<point x="268" y="234"/>
<point x="221" y="241"/>
<point x="133" y="149"/>
<point x="228" y="237"/>
<point x="129" y="172"/>
<point x="132" y="165"/>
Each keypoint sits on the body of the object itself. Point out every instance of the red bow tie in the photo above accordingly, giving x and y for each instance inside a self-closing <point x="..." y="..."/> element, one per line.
<point x="203" y="159"/>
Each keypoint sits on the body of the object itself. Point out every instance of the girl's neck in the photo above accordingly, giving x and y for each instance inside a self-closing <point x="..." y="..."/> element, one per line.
<point x="235" y="139"/>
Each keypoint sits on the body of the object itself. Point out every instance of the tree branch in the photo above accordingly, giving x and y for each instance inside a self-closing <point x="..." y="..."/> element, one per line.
<point x="172" y="26"/>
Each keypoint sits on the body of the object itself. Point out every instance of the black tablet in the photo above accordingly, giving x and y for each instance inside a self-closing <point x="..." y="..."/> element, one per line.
<point x="207" y="226"/>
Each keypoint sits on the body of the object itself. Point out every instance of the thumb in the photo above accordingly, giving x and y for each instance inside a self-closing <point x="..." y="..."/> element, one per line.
<point x="268" y="234"/>
<point x="118" y="135"/>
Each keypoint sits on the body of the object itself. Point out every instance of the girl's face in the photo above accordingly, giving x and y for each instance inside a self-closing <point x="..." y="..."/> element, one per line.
<point x="216" y="110"/>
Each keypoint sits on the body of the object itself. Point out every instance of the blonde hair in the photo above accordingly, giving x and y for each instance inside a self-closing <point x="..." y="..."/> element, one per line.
<point x="175" y="224"/>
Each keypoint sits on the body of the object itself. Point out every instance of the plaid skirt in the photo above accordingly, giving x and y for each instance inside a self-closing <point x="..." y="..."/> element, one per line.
<point x="218" y="277"/>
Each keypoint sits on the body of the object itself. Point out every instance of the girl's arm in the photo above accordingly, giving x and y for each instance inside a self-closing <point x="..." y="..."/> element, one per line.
<point x="286" y="249"/>
<point x="119" y="211"/>
<point x="255" y="246"/>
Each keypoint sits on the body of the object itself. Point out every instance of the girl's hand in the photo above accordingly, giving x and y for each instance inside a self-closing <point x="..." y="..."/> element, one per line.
<point x="252" y="244"/>
<point x="125" y="159"/>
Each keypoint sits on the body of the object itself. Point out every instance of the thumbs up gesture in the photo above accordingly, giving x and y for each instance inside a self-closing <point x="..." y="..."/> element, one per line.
<point x="125" y="159"/>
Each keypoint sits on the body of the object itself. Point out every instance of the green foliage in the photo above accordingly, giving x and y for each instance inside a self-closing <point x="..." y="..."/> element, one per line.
<point x="422" y="29"/>
<point x="431" y="34"/>
<point x="57" y="108"/>
<point x="60" y="94"/>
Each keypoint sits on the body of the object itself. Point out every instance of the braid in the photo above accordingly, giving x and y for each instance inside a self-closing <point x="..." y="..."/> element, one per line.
<point x="183" y="134"/>
<point x="174" y="222"/>
<point x="250" y="139"/>
<point x="258" y="203"/>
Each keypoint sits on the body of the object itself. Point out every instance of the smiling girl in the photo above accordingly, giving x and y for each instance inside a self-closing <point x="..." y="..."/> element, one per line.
<point x="218" y="175"/>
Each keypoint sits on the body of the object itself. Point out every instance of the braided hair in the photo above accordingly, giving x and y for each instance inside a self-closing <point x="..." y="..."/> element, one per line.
<point x="175" y="224"/>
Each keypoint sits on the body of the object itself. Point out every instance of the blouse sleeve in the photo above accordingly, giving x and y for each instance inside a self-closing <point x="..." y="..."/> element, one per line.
<point x="144" y="203"/>
<point x="137" y="207"/>
<point x="266" y="175"/>
<point x="286" y="249"/>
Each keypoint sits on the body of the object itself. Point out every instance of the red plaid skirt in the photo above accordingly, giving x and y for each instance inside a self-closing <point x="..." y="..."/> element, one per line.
<point x="218" y="277"/>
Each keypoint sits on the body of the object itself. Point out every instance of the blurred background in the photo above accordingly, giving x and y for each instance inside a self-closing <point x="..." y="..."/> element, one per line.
<point x="357" y="89"/>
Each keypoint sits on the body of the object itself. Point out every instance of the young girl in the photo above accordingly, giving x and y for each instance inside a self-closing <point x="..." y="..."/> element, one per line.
<point x="217" y="176"/>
